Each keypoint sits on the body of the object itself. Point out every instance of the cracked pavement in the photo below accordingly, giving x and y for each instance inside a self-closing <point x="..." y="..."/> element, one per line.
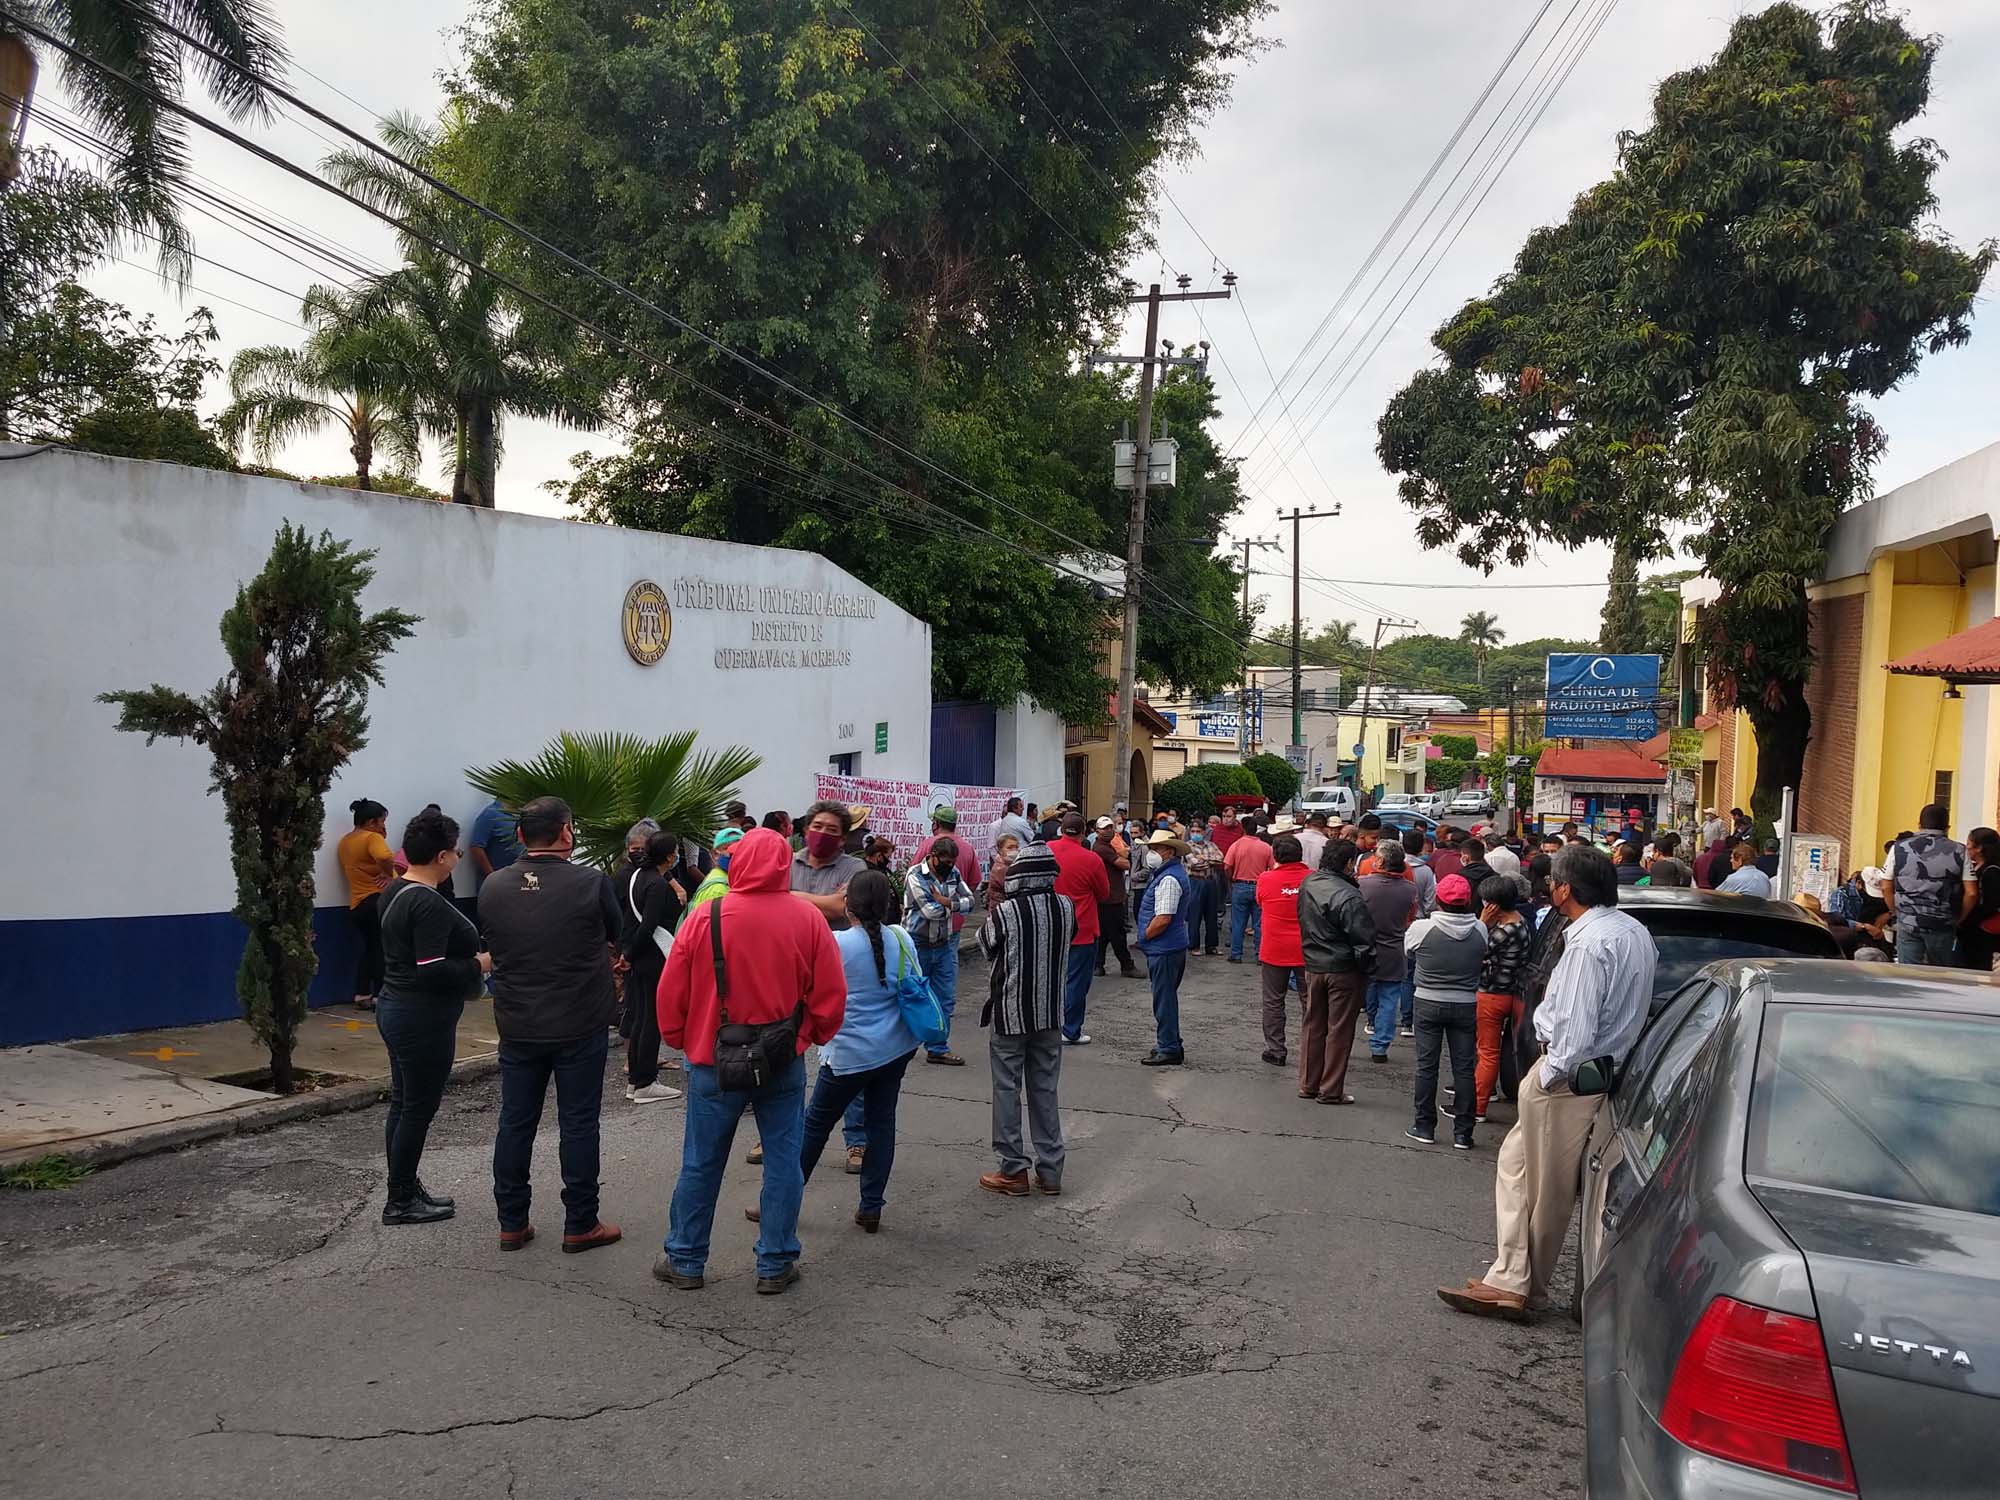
<point x="1234" y="1290"/>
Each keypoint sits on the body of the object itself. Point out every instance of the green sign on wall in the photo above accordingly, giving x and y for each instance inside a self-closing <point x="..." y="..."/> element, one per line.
<point x="882" y="738"/>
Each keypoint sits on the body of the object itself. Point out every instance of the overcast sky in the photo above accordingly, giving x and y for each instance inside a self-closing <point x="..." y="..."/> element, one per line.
<point x="1325" y="137"/>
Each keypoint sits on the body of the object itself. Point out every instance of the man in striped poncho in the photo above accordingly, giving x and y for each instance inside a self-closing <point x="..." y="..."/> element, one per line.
<point x="1027" y="938"/>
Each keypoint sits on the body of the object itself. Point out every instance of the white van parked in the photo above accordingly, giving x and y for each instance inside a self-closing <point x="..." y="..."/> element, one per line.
<point x="1338" y="802"/>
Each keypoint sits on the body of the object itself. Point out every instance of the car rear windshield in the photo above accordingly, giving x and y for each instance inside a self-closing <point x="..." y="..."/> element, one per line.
<point x="1890" y="1104"/>
<point x="1683" y="951"/>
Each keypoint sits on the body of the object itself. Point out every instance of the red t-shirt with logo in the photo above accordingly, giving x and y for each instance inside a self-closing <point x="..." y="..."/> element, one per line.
<point x="1278" y="900"/>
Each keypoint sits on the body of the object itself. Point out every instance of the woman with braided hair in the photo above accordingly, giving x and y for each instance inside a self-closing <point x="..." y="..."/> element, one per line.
<point x="867" y="1056"/>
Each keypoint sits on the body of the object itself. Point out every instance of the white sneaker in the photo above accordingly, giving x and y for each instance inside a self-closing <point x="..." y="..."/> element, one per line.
<point x="1082" y="1039"/>
<point x="653" y="1093"/>
<point x="1408" y="1031"/>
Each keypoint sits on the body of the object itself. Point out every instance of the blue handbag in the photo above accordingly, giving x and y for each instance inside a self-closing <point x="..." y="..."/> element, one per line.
<point x="919" y="1002"/>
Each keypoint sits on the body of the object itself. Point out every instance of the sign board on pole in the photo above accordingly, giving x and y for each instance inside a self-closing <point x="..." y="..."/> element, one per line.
<point x="1295" y="757"/>
<point x="1684" y="749"/>
<point x="1603" y="697"/>
<point x="1814" y="863"/>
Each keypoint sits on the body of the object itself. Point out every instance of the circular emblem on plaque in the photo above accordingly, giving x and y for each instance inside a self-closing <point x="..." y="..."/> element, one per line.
<point x="648" y="623"/>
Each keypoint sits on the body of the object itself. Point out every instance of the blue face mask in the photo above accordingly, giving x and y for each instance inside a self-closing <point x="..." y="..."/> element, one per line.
<point x="1197" y="837"/>
<point x="722" y="862"/>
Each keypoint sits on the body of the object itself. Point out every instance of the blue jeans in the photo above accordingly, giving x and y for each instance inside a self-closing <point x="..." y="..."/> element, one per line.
<point x="525" y="1070"/>
<point x="1163" y="977"/>
<point x="876" y="1091"/>
<point x="1409" y="1003"/>
<point x="1243" y="915"/>
<point x="1925" y="946"/>
<point x="1385" y="1004"/>
<point x="940" y="966"/>
<point x="1077" y="974"/>
<point x="712" y="1113"/>
<point x="1205" y="917"/>
<point x="854" y="1124"/>
<point x="421" y="1036"/>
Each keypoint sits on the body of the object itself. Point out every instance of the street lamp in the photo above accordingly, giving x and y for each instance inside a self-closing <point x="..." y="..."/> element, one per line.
<point x="17" y="91"/>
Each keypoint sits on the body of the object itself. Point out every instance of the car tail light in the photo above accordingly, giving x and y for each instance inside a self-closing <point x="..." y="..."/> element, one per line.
<point x="1754" y="1387"/>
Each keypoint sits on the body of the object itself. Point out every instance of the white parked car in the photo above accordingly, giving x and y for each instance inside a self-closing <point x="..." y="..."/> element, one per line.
<point x="1475" y="802"/>
<point x="1337" y="802"/>
<point x="1430" y="804"/>
<point x="1396" y="799"/>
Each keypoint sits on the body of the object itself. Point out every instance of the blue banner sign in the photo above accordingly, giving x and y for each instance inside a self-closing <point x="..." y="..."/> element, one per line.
<point x="1603" y="697"/>
<point x="1218" y="718"/>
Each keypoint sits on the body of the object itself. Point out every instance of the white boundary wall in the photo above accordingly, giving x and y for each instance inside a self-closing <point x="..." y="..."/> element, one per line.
<point x="114" y="574"/>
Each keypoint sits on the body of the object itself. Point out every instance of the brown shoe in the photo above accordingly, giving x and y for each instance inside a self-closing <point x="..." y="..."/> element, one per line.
<point x="598" y="1235"/>
<point x="947" y="1059"/>
<point x="1046" y="1188"/>
<point x="1486" y="1301"/>
<point x="514" y="1239"/>
<point x="756" y="1156"/>
<point x="1336" y="1098"/>
<point x="1008" y="1185"/>
<point x="855" y="1154"/>
<point x="870" y="1222"/>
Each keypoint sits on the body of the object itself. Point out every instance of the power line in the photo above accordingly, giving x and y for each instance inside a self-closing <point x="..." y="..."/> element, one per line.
<point x="1553" y="83"/>
<point x="1409" y="203"/>
<point x="496" y="217"/>
<point x="1389" y="270"/>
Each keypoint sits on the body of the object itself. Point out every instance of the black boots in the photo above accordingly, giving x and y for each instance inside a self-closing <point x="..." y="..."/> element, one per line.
<point x="435" y="1200"/>
<point x="413" y="1208"/>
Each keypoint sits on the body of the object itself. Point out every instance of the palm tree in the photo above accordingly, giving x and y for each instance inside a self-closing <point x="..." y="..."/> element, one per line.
<point x="441" y="334"/>
<point x="1481" y="632"/>
<point x="147" y="140"/>
<point x="279" y="394"/>
<point x="611" y="781"/>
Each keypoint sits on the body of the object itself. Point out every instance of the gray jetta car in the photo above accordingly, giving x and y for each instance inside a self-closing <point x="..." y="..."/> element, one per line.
<point x="1790" y="1249"/>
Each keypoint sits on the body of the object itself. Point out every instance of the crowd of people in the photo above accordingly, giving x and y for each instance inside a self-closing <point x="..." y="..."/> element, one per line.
<point x="730" y="961"/>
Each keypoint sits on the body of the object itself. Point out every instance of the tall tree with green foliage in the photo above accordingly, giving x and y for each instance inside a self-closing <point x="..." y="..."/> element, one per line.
<point x="291" y="711"/>
<point x="916" y="218"/>
<point x="279" y="394"/>
<point x="1622" y="624"/>
<point x="148" y="142"/>
<point x="437" y="338"/>
<point x="1695" y="342"/>
<point x="1481" y="631"/>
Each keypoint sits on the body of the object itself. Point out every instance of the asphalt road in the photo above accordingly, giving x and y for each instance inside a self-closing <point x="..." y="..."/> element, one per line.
<point x="1234" y="1295"/>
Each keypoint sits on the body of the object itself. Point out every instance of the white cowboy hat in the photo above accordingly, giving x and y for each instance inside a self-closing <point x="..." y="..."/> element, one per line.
<point x="1164" y="838"/>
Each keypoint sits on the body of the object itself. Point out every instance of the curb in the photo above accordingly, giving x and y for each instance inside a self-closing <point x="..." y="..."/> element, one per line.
<point x="248" y="1119"/>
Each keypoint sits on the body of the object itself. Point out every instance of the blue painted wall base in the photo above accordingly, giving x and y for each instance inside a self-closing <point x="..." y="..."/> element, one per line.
<point x="90" y="976"/>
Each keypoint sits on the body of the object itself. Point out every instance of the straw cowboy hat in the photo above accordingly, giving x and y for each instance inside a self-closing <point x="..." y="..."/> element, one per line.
<point x="1166" y="839"/>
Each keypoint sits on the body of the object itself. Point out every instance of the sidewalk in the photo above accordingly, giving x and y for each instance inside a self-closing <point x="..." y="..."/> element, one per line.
<point x="107" y="1098"/>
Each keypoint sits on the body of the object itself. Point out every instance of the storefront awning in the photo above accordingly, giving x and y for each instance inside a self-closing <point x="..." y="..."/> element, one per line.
<point x="1972" y="656"/>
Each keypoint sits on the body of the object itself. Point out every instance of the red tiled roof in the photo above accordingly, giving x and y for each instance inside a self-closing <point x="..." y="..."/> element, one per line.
<point x="1707" y="722"/>
<point x="1599" y="765"/>
<point x="1658" y="747"/>
<point x="1970" y="656"/>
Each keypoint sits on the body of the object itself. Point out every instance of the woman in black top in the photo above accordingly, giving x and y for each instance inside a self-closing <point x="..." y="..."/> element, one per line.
<point x="1979" y="933"/>
<point x="431" y="967"/>
<point x="653" y="892"/>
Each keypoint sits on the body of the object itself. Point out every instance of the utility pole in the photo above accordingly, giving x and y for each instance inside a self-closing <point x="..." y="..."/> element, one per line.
<point x="1298" y="721"/>
<point x="1367" y="692"/>
<point x="1243" y="694"/>
<point x="1135" y="539"/>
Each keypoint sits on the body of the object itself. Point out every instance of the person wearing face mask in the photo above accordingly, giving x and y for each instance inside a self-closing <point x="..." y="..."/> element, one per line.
<point x="821" y="870"/>
<point x="552" y="927"/>
<point x="1203" y="863"/>
<point x="716" y="881"/>
<point x="1082" y="877"/>
<point x="935" y="900"/>
<point x="653" y="892"/>
<point x="1163" y="938"/>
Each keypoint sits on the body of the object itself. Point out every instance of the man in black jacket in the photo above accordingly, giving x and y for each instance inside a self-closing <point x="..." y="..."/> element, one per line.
<point x="1337" y="937"/>
<point x="552" y="927"/>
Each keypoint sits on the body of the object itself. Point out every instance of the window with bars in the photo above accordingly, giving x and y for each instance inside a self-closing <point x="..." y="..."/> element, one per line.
<point x="1941" y="790"/>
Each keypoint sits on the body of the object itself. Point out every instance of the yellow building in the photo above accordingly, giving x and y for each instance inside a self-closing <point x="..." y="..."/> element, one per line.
<point x="1905" y="571"/>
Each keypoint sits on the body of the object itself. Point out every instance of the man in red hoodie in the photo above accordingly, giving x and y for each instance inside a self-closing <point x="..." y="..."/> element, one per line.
<point x="778" y="952"/>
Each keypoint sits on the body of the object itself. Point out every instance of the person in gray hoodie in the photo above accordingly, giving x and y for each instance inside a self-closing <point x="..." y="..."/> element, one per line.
<point x="1445" y="950"/>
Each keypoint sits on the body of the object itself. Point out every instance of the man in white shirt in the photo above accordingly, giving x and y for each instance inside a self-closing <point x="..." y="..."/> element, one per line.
<point x="1595" y="1007"/>
<point x="1013" y="821"/>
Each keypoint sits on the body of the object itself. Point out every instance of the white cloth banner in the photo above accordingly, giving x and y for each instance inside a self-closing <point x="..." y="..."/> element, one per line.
<point x="901" y="810"/>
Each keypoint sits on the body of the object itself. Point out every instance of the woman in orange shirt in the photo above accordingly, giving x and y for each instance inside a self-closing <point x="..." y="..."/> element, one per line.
<point x="369" y="865"/>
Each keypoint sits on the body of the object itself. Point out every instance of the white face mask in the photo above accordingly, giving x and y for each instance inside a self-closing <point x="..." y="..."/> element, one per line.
<point x="1154" y="859"/>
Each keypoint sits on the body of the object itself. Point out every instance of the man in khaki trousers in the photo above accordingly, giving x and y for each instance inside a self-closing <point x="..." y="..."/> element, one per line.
<point x="1595" y="1009"/>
